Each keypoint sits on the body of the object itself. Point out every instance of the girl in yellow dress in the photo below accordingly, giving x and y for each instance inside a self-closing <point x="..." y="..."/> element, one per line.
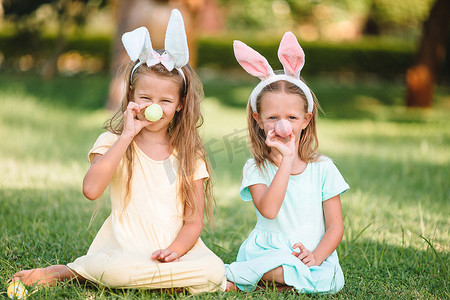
<point x="158" y="174"/>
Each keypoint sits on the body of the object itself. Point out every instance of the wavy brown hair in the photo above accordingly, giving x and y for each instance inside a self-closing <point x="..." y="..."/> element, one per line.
<point x="308" y="142"/>
<point x="183" y="133"/>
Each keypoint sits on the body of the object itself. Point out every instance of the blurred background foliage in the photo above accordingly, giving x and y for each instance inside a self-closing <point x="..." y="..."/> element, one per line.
<point x="357" y="37"/>
<point x="329" y="19"/>
<point x="401" y="18"/>
<point x="34" y="27"/>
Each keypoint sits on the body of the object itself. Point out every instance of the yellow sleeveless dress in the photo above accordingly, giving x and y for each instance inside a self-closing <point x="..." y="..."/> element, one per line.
<point x="120" y="255"/>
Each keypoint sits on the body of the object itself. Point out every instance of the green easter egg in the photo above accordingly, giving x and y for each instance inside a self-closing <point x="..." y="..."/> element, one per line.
<point x="153" y="112"/>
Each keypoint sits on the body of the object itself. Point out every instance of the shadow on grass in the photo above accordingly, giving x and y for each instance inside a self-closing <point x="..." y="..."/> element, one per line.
<point x="371" y="268"/>
<point x="81" y="92"/>
<point x="43" y="227"/>
<point x="397" y="182"/>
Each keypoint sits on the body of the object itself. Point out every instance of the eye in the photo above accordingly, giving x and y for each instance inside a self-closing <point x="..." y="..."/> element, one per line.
<point x="272" y="118"/>
<point x="292" y="117"/>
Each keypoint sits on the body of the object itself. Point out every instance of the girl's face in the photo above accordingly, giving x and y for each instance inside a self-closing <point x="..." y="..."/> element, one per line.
<point x="277" y="106"/>
<point x="163" y="91"/>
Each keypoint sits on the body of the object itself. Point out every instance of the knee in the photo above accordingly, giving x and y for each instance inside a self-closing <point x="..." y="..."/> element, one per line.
<point x="214" y="269"/>
<point x="116" y="277"/>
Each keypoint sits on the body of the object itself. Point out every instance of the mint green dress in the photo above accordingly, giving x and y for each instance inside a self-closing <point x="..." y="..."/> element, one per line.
<point x="300" y="219"/>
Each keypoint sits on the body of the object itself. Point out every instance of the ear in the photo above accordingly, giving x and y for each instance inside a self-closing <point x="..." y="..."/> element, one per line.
<point x="291" y="55"/>
<point x="307" y="119"/>
<point x="257" y="118"/>
<point x="176" y="41"/>
<point x="252" y="62"/>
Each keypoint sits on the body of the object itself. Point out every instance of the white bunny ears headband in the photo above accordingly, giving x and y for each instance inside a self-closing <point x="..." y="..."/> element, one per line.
<point x="138" y="45"/>
<point x="292" y="58"/>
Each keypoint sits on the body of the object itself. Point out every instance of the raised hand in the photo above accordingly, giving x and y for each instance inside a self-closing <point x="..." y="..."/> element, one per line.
<point x="132" y="124"/>
<point x="165" y="255"/>
<point x="286" y="146"/>
<point x="305" y="255"/>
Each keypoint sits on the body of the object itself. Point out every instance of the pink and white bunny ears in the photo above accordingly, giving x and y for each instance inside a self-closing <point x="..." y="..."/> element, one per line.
<point x="176" y="55"/>
<point x="292" y="58"/>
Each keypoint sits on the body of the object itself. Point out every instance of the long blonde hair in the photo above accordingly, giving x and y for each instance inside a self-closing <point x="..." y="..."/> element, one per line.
<point x="183" y="133"/>
<point x="308" y="142"/>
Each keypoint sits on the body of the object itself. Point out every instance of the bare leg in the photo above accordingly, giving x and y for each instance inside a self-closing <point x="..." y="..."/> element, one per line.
<point x="276" y="277"/>
<point x="49" y="275"/>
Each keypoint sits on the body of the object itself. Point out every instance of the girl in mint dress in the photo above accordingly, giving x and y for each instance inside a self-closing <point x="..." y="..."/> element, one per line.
<point x="295" y="191"/>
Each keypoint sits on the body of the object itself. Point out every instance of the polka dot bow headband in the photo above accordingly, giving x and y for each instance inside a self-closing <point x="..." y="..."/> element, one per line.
<point x="138" y="45"/>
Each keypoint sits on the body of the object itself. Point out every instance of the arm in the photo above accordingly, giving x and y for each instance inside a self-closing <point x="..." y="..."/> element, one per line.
<point x="334" y="231"/>
<point x="332" y="211"/>
<point x="103" y="167"/>
<point x="189" y="233"/>
<point x="268" y="200"/>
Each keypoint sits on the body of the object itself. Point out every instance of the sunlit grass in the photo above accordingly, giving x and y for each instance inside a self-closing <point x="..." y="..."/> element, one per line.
<point x="396" y="161"/>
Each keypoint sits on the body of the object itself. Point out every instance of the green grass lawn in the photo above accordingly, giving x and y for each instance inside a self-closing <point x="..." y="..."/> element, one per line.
<point x="397" y="162"/>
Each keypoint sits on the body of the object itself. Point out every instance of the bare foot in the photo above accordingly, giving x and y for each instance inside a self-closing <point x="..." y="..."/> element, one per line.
<point x="35" y="276"/>
<point x="48" y="276"/>
<point x="231" y="287"/>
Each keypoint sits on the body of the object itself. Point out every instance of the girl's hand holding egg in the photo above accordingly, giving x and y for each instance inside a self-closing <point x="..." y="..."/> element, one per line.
<point x="281" y="137"/>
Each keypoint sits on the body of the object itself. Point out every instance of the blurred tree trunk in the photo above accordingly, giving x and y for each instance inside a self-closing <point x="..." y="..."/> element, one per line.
<point x="421" y="77"/>
<point x="371" y="27"/>
<point x="69" y="13"/>
<point x="51" y="64"/>
<point x="153" y="14"/>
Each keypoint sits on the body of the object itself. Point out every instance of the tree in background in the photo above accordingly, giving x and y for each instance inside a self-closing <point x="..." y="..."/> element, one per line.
<point x="313" y="19"/>
<point x="30" y="24"/>
<point x="422" y="76"/>
<point x="396" y="18"/>
<point x="41" y="29"/>
<point x="328" y="19"/>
